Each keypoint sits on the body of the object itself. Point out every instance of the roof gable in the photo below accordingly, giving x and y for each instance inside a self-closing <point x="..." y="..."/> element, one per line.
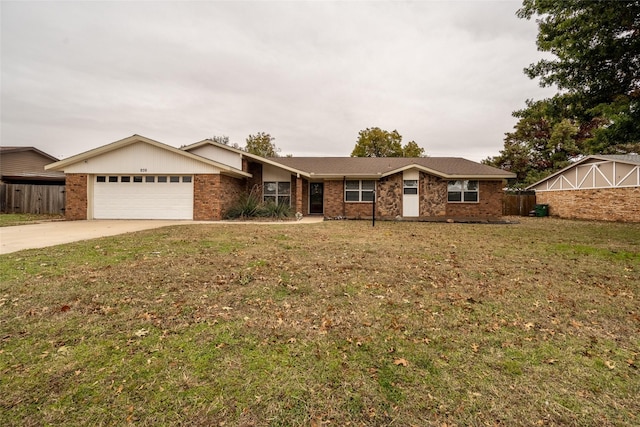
<point x="138" y="139"/>
<point x="633" y="160"/>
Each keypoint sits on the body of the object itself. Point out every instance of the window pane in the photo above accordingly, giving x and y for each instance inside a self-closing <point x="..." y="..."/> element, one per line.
<point x="101" y="179"/>
<point x="174" y="179"/>
<point x="162" y="179"/>
<point x="125" y="179"/>
<point x="186" y="179"/>
<point x="411" y="183"/>
<point x="368" y="185"/>
<point x="284" y="188"/>
<point x="268" y="199"/>
<point x="353" y="185"/>
<point x="352" y="196"/>
<point x="410" y="191"/>
<point x="472" y="185"/>
<point x="284" y="200"/>
<point x="137" y="179"/>
<point x="113" y="179"/>
<point x="470" y="196"/>
<point x="270" y="188"/>
<point x="149" y="179"/>
<point x="455" y="185"/>
<point x="367" y="196"/>
<point x="454" y="197"/>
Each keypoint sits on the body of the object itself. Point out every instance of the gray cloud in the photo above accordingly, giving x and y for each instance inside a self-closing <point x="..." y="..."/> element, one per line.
<point x="76" y="75"/>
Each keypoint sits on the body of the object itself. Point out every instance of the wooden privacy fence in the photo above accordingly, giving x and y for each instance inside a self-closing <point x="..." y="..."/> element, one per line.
<point x="36" y="199"/>
<point x="518" y="203"/>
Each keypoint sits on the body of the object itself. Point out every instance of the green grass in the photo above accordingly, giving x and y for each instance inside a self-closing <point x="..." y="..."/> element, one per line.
<point x="7" y="220"/>
<point x="335" y="323"/>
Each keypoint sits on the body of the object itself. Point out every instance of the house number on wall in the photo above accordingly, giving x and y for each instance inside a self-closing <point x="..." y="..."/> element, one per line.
<point x="143" y="169"/>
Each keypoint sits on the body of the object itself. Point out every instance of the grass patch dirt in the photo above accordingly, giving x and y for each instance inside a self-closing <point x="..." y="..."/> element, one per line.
<point x="8" y="220"/>
<point x="335" y="323"/>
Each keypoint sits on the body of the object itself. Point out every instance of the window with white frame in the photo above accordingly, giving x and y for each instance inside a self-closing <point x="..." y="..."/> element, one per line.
<point x="462" y="191"/>
<point x="277" y="192"/>
<point x="410" y="186"/>
<point x="359" y="190"/>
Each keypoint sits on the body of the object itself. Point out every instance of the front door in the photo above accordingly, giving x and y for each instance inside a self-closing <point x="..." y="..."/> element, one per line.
<point x="410" y="196"/>
<point x="316" y="198"/>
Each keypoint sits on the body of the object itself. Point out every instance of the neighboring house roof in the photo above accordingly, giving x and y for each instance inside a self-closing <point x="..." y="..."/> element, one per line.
<point x="16" y="149"/>
<point x="378" y="167"/>
<point x="26" y="164"/>
<point x="60" y="165"/>
<point x="632" y="159"/>
<point x="626" y="158"/>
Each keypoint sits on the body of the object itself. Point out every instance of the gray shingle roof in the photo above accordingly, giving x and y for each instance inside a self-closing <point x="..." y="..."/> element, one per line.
<point x="631" y="158"/>
<point x="374" y="166"/>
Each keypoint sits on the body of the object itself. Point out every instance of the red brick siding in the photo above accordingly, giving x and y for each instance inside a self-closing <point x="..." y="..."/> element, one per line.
<point x="205" y="197"/>
<point x="76" y="197"/>
<point x="213" y="195"/>
<point x="333" y="199"/>
<point x="488" y="206"/>
<point x="433" y="200"/>
<point x="305" y="197"/>
<point x="230" y="191"/>
<point x="296" y="193"/>
<point x="605" y="204"/>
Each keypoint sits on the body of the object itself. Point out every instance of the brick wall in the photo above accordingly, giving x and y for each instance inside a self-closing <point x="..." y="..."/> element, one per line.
<point x="230" y="191"/>
<point x="76" y="194"/>
<point x="433" y="200"/>
<point x="213" y="195"/>
<point x="333" y="199"/>
<point x="604" y="204"/>
<point x="489" y="205"/>
<point x="305" y="197"/>
<point x="205" y="197"/>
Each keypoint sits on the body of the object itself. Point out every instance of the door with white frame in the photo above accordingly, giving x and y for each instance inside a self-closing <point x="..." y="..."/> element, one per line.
<point x="410" y="193"/>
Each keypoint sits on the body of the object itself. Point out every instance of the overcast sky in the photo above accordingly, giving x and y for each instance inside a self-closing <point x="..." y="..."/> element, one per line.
<point x="446" y="74"/>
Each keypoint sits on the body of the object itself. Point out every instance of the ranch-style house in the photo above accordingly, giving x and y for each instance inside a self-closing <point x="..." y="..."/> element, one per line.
<point x="139" y="178"/>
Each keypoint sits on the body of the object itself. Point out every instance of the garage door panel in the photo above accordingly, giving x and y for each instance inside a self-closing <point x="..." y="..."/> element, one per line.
<point x="143" y="200"/>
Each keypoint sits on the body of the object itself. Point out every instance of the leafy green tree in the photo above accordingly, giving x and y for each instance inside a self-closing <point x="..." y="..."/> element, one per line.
<point x="375" y="142"/>
<point x="596" y="67"/>
<point x="412" y="149"/>
<point x="262" y="144"/>
<point x="596" y="45"/>
<point x="542" y="142"/>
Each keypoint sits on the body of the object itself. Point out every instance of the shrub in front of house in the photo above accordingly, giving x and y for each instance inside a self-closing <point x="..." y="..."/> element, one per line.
<point x="250" y="206"/>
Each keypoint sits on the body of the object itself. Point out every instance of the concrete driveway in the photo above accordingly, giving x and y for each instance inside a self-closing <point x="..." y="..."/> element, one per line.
<point x="42" y="235"/>
<point x="53" y="233"/>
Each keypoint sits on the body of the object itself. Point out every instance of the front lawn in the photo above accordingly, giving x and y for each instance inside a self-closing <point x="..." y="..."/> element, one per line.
<point x="336" y="323"/>
<point x="7" y="220"/>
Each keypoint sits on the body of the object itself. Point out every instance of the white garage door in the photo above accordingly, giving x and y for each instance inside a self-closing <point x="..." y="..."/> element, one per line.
<point x="143" y="197"/>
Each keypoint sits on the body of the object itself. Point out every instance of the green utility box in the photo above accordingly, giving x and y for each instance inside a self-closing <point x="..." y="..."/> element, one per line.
<point x="541" y="210"/>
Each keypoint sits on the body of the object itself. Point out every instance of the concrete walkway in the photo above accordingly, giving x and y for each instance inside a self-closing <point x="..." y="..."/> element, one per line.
<point x="44" y="234"/>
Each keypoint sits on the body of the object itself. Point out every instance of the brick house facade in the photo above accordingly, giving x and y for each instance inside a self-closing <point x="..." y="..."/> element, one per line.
<point x="599" y="187"/>
<point x="211" y="177"/>
<point x="605" y="204"/>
